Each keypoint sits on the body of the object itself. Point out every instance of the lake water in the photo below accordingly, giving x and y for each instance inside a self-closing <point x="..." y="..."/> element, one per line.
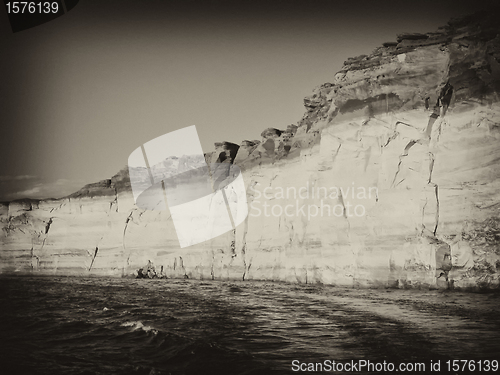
<point x="55" y="325"/>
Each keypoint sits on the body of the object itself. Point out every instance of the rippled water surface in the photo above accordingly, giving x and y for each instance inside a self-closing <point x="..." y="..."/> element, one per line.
<point x="121" y="326"/>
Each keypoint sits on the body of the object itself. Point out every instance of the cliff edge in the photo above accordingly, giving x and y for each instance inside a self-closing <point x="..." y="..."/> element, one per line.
<point x="390" y="179"/>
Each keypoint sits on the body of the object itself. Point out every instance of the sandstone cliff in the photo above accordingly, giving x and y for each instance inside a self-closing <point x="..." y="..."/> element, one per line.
<point x="391" y="178"/>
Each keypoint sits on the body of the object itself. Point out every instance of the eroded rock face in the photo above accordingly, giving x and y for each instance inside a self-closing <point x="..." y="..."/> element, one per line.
<point x="391" y="178"/>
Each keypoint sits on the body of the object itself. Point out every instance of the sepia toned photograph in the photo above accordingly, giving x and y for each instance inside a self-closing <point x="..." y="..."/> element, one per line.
<point x="198" y="187"/>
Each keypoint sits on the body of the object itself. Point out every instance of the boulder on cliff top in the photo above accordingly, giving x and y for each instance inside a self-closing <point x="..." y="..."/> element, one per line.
<point x="271" y="133"/>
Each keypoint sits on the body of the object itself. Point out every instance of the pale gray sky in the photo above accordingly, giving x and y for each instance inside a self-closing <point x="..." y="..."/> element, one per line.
<point x="83" y="91"/>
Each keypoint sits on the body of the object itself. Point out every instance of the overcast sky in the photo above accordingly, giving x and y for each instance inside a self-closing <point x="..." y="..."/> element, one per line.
<point x="80" y="93"/>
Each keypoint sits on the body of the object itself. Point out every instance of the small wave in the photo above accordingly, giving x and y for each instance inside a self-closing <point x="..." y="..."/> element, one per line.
<point x="138" y="325"/>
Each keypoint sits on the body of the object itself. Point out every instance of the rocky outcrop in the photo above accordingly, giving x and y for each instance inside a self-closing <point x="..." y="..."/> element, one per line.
<point x="391" y="178"/>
